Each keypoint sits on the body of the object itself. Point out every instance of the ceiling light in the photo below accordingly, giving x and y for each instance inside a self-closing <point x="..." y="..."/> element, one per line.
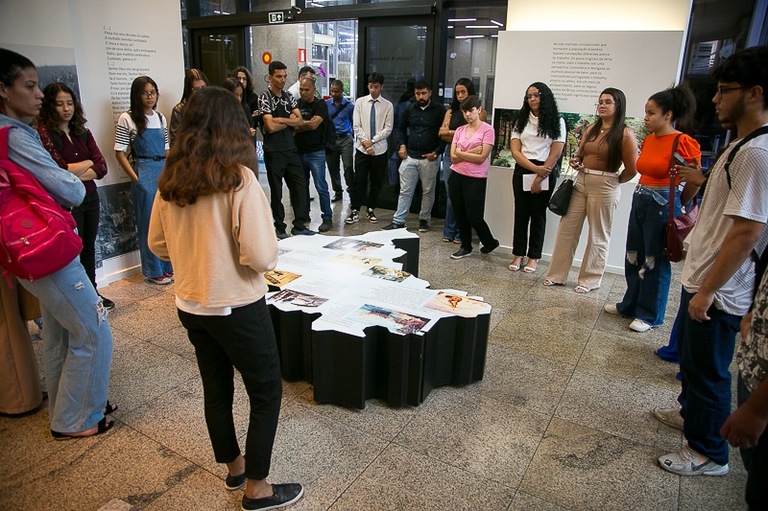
<point x="462" y="19"/>
<point x="468" y="36"/>
<point x="497" y="23"/>
<point x="481" y="26"/>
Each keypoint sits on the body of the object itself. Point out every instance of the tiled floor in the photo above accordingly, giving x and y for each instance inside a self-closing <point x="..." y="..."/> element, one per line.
<point x="560" y="421"/>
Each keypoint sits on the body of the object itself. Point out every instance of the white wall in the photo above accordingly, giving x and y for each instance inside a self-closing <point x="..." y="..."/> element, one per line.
<point x="667" y="16"/>
<point x="148" y="33"/>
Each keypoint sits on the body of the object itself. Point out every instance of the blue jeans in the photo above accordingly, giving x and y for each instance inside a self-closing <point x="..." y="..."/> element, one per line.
<point x="314" y="163"/>
<point x="77" y="348"/>
<point x="706" y="350"/>
<point x="411" y="171"/>
<point x="646" y="268"/>
<point x="756" y="462"/>
<point x="450" y="229"/>
<point x="143" y="197"/>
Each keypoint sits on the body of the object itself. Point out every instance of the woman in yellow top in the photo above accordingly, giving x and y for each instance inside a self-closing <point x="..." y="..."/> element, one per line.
<point x="606" y="145"/>
<point x="646" y="268"/>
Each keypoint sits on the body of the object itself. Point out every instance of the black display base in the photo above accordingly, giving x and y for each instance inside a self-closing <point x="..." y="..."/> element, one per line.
<point x="400" y="369"/>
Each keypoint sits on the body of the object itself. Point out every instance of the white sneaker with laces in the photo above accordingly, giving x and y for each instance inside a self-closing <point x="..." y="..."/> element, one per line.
<point x="669" y="417"/>
<point x="638" y="325"/>
<point x="688" y="462"/>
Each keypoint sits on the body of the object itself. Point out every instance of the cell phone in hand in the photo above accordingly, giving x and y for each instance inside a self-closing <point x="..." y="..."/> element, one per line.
<point x="679" y="159"/>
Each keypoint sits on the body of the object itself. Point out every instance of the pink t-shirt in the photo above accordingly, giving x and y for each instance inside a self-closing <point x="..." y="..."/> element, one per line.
<point x="482" y="135"/>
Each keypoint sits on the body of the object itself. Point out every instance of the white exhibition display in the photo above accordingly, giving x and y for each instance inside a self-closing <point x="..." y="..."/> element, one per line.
<point x="577" y="66"/>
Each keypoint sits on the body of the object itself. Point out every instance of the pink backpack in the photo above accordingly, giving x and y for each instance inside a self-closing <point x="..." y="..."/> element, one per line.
<point x="37" y="235"/>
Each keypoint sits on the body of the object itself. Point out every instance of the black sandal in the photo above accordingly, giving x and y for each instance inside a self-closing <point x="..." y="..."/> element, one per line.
<point x="111" y="407"/>
<point x="103" y="427"/>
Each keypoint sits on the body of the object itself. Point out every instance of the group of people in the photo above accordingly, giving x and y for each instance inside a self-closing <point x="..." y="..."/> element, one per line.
<point x="198" y="204"/>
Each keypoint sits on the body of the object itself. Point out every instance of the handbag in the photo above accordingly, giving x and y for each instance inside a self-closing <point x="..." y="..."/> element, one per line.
<point x="561" y="197"/>
<point x="678" y="227"/>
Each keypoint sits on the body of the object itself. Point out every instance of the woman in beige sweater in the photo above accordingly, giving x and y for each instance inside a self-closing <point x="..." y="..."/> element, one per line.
<point x="212" y="220"/>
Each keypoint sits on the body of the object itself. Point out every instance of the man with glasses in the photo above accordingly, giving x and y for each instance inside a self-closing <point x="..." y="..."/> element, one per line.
<point x="372" y="124"/>
<point x="718" y="276"/>
<point x="280" y="113"/>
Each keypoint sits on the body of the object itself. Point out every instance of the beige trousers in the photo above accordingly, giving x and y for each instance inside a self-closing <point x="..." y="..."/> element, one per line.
<point x="595" y="198"/>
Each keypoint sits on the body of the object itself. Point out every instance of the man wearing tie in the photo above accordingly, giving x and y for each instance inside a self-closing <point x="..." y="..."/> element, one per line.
<point x="372" y="123"/>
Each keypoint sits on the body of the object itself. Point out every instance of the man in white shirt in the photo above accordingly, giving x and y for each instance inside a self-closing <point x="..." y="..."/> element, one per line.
<point x="372" y="123"/>
<point x="718" y="276"/>
<point x="304" y="72"/>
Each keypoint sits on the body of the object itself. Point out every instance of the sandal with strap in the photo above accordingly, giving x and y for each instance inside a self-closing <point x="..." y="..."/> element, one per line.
<point x="514" y="267"/>
<point x="548" y="283"/>
<point x="582" y="290"/>
<point x="111" y="407"/>
<point x="101" y="428"/>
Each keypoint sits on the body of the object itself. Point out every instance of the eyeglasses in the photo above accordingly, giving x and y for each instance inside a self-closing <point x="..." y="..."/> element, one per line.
<point x="721" y="89"/>
<point x="529" y="97"/>
<point x="149" y="94"/>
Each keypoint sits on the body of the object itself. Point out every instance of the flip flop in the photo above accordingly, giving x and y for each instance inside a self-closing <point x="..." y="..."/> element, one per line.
<point x="103" y="427"/>
<point x="111" y="407"/>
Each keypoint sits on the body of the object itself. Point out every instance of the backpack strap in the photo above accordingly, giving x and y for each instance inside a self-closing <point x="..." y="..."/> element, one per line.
<point x="756" y="133"/>
<point x="4" y="142"/>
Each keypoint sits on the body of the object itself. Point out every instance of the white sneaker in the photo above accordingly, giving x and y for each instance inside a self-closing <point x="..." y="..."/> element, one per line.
<point x="638" y="325"/>
<point x="669" y="417"/>
<point x="611" y="308"/>
<point x="688" y="462"/>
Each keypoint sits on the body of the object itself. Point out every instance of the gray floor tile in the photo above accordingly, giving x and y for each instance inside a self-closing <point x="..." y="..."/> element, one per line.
<point x="581" y="468"/>
<point x="478" y="434"/>
<point x="199" y="490"/>
<point x="402" y="479"/>
<point x="619" y="407"/>
<point x="525" y="502"/>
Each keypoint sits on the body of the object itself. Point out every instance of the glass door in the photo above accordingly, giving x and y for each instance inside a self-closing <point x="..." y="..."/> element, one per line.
<point x="218" y="52"/>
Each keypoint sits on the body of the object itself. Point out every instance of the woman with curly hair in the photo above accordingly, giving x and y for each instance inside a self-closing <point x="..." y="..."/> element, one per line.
<point x="61" y="126"/>
<point x="537" y="143"/>
<point x="606" y="145"/>
<point x="646" y="268"/>
<point x="142" y="134"/>
<point x="194" y="80"/>
<point x="250" y="98"/>
<point x="213" y="221"/>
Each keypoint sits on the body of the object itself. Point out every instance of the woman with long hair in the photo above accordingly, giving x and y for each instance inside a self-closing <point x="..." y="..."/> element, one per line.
<point x="606" y="145"/>
<point x="141" y="144"/>
<point x="61" y="126"/>
<point x="646" y="268"/>
<point x="77" y="341"/>
<point x="211" y="213"/>
<point x="471" y="154"/>
<point x="454" y="118"/>
<point x="194" y="80"/>
<point x="250" y="98"/>
<point x="234" y="86"/>
<point x="537" y="143"/>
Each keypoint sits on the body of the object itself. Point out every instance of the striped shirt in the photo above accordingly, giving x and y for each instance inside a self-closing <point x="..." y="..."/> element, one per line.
<point x="125" y="131"/>
<point x="746" y="198"/>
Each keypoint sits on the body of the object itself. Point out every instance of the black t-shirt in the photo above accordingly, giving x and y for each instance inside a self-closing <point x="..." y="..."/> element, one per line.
<point x="312" y="141"/>
<point x="282" y="106"/>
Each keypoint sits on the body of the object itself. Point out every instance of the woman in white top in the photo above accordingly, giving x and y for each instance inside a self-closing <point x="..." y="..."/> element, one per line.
<point x="142" y="135"/>
<point x="537" y="143"/>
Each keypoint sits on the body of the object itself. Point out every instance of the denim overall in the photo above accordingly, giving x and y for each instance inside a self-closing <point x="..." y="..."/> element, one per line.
<point x="149" y="150"/>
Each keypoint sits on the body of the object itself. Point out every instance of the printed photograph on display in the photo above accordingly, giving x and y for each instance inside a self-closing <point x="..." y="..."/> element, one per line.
<point x="576" y="124"/>
<point x="384" y="273"/>
<point x="297" y="298"/>
<point x="456" y="304"/>
<point x="117" y="228"/>
<point x="353" y="260"/>
<point x="395" y="321"/>
<point x="353" y="245"/>
<point x="279" y="278"/>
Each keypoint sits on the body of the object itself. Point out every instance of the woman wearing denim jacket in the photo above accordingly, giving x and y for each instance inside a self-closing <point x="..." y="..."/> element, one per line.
<point x="77" y="341"/>
<point x="646" y="268"/>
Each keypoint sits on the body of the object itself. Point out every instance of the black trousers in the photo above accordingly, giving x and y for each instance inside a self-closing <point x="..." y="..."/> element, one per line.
<point x="343" y="149"/>
<point x="468" y="199"/>
<point x="368" y="170"/>
<point x="530" y="208"/>
<point x="246" y="341"/>
<point x="286" y="165"/>
<point x="86" y="216"/>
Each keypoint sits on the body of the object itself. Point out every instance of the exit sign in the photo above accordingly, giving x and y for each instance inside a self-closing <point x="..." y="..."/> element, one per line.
<point x="276" y="17"/>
